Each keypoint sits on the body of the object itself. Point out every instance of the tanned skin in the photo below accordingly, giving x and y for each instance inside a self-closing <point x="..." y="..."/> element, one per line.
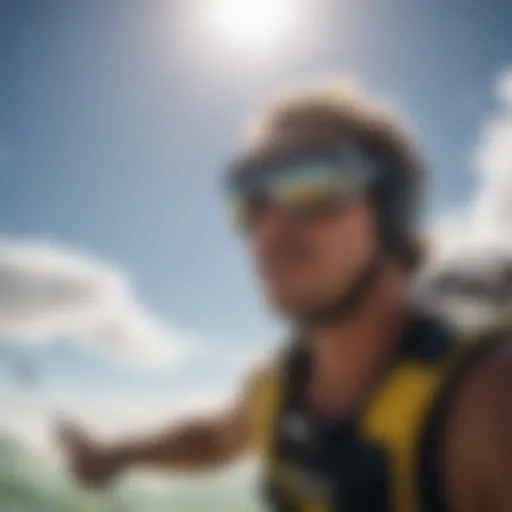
<point x="478" y="440"/>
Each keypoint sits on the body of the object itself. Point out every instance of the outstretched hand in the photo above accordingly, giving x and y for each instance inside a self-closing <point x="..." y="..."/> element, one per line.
<point x="91" y="464"/>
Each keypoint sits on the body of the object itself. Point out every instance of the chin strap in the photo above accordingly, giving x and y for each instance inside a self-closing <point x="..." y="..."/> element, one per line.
<point x="393" y="236"/>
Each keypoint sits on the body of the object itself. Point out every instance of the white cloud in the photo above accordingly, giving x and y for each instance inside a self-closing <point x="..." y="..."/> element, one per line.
<point x="473" y="242"/>
<point x="493" y="161"/>
<point x="487" y="219"/>
<point x="49" y="292"/>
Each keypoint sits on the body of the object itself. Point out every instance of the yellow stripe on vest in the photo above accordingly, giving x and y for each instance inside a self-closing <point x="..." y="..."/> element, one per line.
<point x="395" y="419"/>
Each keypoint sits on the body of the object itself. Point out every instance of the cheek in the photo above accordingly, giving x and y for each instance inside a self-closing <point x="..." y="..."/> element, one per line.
<point x="347" y="240"/>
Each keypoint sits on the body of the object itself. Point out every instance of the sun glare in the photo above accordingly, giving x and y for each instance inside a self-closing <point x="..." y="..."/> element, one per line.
<point x="251" y="24"/>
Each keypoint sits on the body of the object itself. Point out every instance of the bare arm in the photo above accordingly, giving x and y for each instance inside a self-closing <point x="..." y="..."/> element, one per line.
<point x="195" y="444"/>
<point x="479" y="439"/>
<point x="191" y="445"/>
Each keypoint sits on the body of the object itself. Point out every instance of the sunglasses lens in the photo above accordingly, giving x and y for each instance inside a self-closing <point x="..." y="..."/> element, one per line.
<point x="303" y="190"/>
<point x="305" y="194"/>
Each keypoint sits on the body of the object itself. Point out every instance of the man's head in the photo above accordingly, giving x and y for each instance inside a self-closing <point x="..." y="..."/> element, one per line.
<point x="321" y="189"/>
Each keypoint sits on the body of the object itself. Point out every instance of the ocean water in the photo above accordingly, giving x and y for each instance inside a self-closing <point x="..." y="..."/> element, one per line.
<point x="29" y="482"/>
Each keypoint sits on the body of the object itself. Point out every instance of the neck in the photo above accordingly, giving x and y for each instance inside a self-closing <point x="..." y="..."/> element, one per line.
<point x="348" y="357"/>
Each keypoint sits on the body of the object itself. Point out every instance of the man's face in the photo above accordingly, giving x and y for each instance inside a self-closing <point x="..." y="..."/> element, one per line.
<point x="305" y="264"/>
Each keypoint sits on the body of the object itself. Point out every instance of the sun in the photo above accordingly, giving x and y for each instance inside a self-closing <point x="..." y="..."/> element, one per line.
<point x="251" y="24"/>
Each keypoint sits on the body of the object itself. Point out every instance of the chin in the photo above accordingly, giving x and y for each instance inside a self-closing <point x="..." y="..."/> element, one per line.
<point x="290" y="305"/>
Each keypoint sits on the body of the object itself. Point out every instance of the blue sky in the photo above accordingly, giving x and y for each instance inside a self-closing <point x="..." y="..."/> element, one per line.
<point x="116" y="119"/>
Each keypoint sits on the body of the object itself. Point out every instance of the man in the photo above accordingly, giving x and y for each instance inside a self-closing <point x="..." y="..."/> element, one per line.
<point x="371" y="406"/>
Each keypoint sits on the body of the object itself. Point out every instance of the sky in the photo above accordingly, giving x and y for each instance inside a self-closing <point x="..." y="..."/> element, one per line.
<point x="120" y="272"/>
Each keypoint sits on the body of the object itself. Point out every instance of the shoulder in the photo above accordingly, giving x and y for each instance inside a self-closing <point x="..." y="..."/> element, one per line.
<point x="483" y="365"/>
<point x="465" y="433"/>
<point x="486" y="386"/>
<point x="478" y="436"/>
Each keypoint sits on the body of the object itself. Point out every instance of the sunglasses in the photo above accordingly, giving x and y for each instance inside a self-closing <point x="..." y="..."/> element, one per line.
<point x="305" y="187"/>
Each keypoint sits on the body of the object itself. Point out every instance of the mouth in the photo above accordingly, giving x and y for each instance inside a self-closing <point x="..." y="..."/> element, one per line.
<point x="284" y="262"/>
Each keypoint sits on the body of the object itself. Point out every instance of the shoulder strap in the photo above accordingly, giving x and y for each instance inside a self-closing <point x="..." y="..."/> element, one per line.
<point x="271" y="394"/>
<point x="426" y="338"/>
